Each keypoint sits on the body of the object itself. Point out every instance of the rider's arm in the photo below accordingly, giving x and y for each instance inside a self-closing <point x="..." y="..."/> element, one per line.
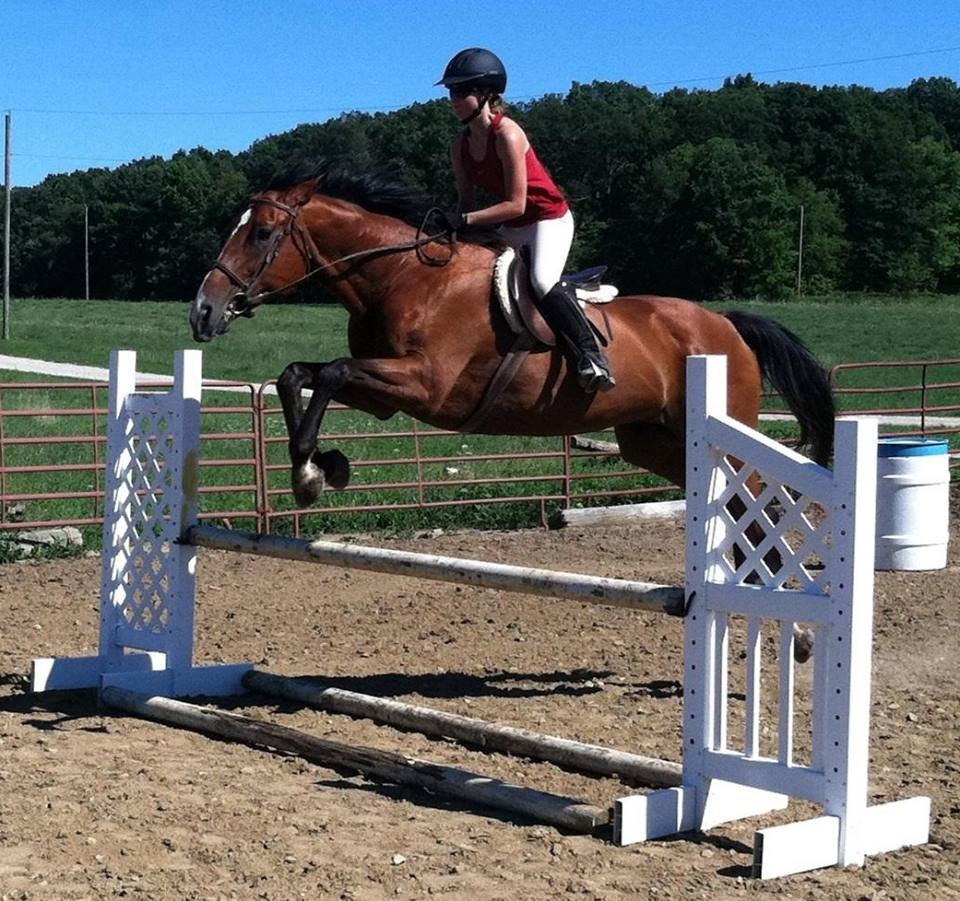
<point x="512" y="147"/>
<point x="465" y="193"/>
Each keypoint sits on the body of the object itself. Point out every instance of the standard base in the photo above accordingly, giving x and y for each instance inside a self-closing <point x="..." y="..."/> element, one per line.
<point x="778" y="850"/>
<point x="639" y="818"/>
<point x="811" y="844"/>
<point x="144" y="673"/>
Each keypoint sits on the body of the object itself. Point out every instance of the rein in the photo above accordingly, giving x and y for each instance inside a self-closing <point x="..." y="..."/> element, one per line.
<point x="312" y="257"/>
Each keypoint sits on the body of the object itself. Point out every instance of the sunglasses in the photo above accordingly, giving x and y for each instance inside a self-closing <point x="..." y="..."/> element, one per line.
<point x="461" y="91"/>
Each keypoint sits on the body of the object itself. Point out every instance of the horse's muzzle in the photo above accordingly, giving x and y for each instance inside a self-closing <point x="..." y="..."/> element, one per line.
<point x="207" y="321"/>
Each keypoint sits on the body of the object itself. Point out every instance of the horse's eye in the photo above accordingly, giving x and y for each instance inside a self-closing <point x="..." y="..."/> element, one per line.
<point x="262" y="233"/>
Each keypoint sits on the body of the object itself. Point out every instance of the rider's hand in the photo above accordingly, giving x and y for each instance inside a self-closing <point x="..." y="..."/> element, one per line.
<point x="453" y="220"/>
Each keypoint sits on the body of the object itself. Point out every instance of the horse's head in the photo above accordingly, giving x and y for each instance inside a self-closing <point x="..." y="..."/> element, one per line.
<point x="268" y="251"/>
<point x="315" y="222"/>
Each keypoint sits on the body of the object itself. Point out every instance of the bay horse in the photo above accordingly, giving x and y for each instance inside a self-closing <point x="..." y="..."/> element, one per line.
<point x="426" y="336"/>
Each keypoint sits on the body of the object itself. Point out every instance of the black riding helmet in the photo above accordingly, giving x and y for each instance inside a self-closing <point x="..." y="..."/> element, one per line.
<point x="477" y="68"/>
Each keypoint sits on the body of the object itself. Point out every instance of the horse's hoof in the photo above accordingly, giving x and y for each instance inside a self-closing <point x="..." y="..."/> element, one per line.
<point x="336" y="468"/>
<point x="307" y="481"/>
<point x="802" y="644"/>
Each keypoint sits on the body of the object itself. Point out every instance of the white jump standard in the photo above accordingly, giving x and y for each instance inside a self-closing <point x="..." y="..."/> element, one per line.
<point x="822" y="531"/>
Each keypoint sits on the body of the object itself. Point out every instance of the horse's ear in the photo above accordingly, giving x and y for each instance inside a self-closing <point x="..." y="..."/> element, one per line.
<point x="302" y="192"/>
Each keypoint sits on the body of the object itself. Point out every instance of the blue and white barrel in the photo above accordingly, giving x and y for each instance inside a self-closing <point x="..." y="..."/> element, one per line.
<point x="913" y="503"/>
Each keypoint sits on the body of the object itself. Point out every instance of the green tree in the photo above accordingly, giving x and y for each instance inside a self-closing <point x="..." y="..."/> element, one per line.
<point x="691" y="192"/>
<point x="345" y="138"/>
<point x="598" y="142"/>
<point x="825" y="248"/>
<point x="938" y="99"/>
<point x="728" y="230"/>
<point x="414" y="143"/>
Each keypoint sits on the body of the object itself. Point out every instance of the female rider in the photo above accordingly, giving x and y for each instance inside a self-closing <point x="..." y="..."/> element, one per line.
<point x="492" y="152"/>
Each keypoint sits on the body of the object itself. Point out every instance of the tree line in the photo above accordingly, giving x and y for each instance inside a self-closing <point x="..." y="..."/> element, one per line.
<point x="692" y="193"/>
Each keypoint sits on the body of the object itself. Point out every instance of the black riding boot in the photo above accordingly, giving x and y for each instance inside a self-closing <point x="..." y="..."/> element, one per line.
<point x="562" y="311"/>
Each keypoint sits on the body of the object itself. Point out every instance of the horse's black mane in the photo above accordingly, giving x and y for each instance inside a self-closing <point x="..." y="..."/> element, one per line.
<point x="378" y="192"/>
<point x="374" y="191"/>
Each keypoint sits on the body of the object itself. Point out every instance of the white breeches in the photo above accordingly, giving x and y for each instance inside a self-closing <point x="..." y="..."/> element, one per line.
<point x="549" y="244"/>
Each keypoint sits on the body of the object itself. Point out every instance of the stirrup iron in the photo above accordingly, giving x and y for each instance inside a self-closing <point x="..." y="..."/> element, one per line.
<point x="593" y="376"/>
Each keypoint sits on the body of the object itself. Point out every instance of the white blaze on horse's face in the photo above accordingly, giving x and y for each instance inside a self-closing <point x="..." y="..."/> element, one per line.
<point x="202" y="304"/>
<point x="244" y="219"/>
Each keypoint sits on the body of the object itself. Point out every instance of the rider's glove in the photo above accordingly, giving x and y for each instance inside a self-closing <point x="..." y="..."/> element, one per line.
<point x="453" y="220"/>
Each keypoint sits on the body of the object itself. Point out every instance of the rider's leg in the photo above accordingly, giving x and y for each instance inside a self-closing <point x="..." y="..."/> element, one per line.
<point x="549" y="243"/>
<point x="564" y="315"/>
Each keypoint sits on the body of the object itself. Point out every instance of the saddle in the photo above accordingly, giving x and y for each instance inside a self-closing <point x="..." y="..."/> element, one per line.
<point x="511" y="286"/>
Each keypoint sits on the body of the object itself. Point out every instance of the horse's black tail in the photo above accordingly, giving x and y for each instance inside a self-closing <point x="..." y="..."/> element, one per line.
<point x="789" y="366"/>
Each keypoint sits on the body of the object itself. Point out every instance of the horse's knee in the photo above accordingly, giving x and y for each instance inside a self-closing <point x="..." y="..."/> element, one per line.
<point x="292" y="379"/>
<point x="333" y="376"/>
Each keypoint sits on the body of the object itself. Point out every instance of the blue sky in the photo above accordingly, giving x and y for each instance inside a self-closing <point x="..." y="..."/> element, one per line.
<point x="103" y="82"/>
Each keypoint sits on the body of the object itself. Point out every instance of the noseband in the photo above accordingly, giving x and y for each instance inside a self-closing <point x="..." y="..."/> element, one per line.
<point x="242" y="303"/>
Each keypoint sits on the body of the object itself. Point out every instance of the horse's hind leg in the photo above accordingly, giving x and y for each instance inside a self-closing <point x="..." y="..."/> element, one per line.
<point x="660" y="450"/>
<point x="657" y="448"/>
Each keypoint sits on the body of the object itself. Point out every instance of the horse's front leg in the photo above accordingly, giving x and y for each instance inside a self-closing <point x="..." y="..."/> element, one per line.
<point x="380" y="387"/>
<point x="311" y="468"/>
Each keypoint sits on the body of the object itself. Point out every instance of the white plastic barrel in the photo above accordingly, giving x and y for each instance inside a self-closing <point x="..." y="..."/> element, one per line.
<point x="913" y="503"/>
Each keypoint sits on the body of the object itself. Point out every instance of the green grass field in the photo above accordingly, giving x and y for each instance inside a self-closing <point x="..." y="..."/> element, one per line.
<point x="851" y="329"/>
<point x="838" y="330"/>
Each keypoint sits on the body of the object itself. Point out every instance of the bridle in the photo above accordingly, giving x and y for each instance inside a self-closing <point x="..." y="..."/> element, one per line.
<point x="308" y="249"/>
<point x="242" y="303"/>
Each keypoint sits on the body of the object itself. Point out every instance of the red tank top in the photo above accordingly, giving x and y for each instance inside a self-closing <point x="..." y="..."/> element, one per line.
<point x="544" y="199"/>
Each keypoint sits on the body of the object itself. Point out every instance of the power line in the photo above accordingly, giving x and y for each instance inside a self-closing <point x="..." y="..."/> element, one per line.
<point x="188" y="113"/>
<point x="83" y="159"/>
<point x="373" y="109"/>
<point x="843" y="62"/>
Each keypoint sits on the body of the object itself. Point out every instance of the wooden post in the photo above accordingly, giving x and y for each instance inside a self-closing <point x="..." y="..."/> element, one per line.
<point x="800" y="257"/>
<point x="7" y="152"/>
<point x="86" y="252"/>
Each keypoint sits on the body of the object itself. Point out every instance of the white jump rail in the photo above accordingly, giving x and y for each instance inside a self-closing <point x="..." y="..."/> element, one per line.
<point x="820" y="523"/>
<point x="478" y="573"/>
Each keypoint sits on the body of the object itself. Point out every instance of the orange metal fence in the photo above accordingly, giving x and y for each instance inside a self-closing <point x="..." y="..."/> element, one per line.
<point x="927" y="397"/>
<point x="52" y="445"/>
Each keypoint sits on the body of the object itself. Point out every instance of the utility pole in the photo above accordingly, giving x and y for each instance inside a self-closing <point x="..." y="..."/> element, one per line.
<point x="86" y="252"/>
<point x="6" y="228"/>
<point x="800" y="254"/>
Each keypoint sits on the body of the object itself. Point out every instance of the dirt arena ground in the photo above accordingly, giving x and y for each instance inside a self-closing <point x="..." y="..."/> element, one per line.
<point x="101" y="805"/>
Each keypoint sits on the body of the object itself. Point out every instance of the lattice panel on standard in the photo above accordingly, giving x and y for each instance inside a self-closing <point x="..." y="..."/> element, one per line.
<point x="774" y="535"/>
<point x="148" y="523"/>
